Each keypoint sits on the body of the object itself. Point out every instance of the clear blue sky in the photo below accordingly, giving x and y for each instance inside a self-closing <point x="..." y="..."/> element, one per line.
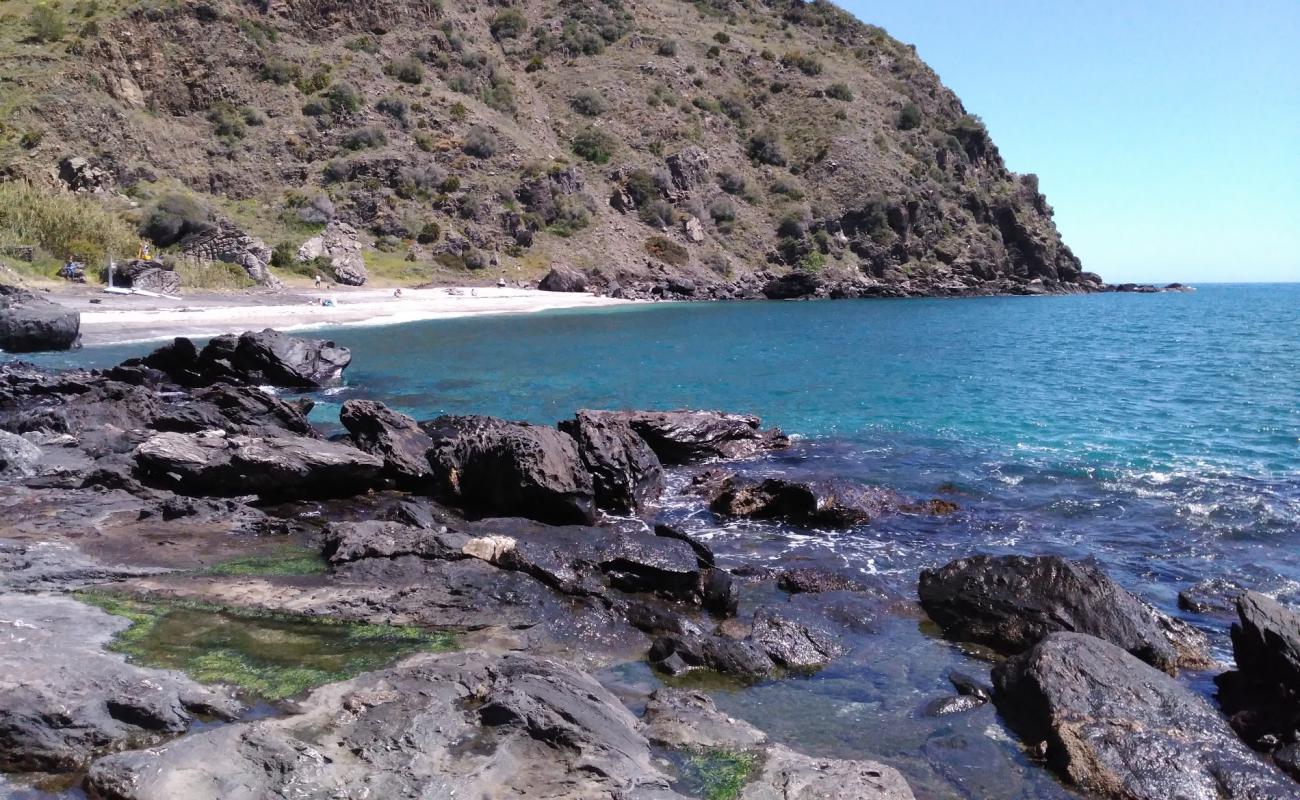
<point x="1166" y="133"/>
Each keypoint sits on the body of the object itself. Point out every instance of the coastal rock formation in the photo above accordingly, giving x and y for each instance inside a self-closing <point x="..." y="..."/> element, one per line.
<point x="80" y="175"/>
<point x="259" y="358"/>
<point x="625" y="471"/>
<point x="689" y="437"/>
<point x="563" y="278"/>
<point x="394" y="437"/>
<point x="65" y="699"/>
<point x="30" y="323"/>
<point x="501" y="468"/>
<point x="1011" y="602"/>
<point x="829" y="503"/>
<point x="225" y="241"/>
<point x="214" y="463"/>
<point x="1113" y="725"/>
<point x="150" y="276"/>
<point x="1262" y="694"/>
<point x="339" y="245"/>
<point x="457" y="725"/>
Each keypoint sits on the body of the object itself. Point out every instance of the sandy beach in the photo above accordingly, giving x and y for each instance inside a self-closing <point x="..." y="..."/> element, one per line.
<point x="110" y="318"/>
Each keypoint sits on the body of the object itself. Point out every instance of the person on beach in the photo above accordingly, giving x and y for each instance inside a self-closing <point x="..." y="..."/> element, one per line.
<point x="398" y="293"/>
<point x="318" y="280"/>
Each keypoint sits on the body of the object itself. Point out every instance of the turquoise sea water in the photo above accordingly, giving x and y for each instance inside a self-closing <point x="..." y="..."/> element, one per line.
<point x="1158" y="434"/>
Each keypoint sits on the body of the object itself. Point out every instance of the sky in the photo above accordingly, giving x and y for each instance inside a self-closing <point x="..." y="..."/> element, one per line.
<point x="1165" y="133"/>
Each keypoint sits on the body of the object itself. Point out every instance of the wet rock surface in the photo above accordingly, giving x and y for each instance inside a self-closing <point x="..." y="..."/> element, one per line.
<point x="688" y="437"/>
<point x="1262" y="695"/>
<point x="392" y="436"/>
<point x="258" y="358"/>
<point x="822" y="504"/>
<point x="1118" y="727"/>
<point x="64" y="698"/>
<point x="625" y="471"/>
<point x="1011" y="602"/>
<point x="31" y="323"/>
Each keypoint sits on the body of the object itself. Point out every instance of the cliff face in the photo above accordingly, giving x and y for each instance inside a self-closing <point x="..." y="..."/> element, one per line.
<point x="717" y="143"/>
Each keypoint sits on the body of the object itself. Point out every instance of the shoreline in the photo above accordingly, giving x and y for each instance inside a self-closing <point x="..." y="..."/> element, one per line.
<point x="128" y="319"/>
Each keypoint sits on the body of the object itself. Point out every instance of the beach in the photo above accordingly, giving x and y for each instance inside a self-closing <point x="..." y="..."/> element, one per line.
<point x="112" y="318"/>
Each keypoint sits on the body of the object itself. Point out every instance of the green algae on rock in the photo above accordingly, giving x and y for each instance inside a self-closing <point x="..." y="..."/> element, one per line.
<point x="717" y="773"/>
<point x="269" y="655"/>
<point x="285" y="560"/>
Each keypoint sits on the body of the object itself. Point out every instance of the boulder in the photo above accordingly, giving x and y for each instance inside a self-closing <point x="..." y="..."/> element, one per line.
<point x="340" y="245"/>
<point x="1010" y="602"/>
<point x="678" y="654"/>
<point x="823" y="504"/>
<point x="463" y="724"/>
<point x="394" y="437"/>
<point x="261" y="358"/>
<point x="18" y="457"/>
<point x="694" y="232"/>
<point x="225" y="241"/>
<point x="500" y="468"/>
<point x="1262" y="694"/>
<point x="793" y="643"/>
<point x="689" y="168"/>
<point x="812" y="580"/>
<point x="1112" y="725"/>
<point x="1215" y="597"/>
<point x="80" y="175"/>
<point x="563" y="278"/>
<point x="791" y="285"/>
<point x="64" y="698"/>
<point x="30" y="323"/>
<point x="688" y="437"/>
<point x="626" y="473"/>
<point x="215" y="463"/>
<point x="150" y="276"/>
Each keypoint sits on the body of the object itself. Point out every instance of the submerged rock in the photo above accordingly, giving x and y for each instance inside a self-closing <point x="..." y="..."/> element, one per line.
<point x="829" y="504"/>
<point x="456" y="725"/>
<point x="626" y="473"/>
<point x="30" y="323"/>
<point x="500" y="468"/>
<point x="1115" y="726"/>
<point x="1215" y="597"/>
<point x="64" y="698"/>
<point x="1011" y="602"/>
<point x="688" y="437"/>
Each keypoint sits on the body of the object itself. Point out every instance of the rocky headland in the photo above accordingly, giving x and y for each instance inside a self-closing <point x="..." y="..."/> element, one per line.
<point x="203" y="595"/>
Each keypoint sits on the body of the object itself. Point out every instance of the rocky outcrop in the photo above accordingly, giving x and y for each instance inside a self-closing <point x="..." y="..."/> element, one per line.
<point x="214" y="463"/>
<point x="30" y="323"/>
<point x="394" y="437"/>
<point x="498" y="468"/>
<point x="341" y="247"/>
<point x="1010" y="602"/>
<point x="563" y="278"/>
<point x="18" y="457"/>
<point x="259" y="358"/>
<point x="824" y="504"/>
<point x="1110" y="724"/>
<point x="791" y="286"/>
<point x="149" y="276"/>
<point x="458" y="725"/>
<point x="689" y="437"/>
<point x="80" y="175"/>
<point x="626" y="473"/>
<point x="225" y="241"/>
<point x="65" y="699"/>
<point x="1262" y="694"/>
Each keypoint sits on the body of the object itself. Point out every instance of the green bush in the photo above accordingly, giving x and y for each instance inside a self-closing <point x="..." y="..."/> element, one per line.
<point x="787" y="187"/>
<point x="46" y="23"/>
<point x="723" y="210"/>
<point x="839" y="91"/>
<point x="667" y="251"/>
<point x="227" y="121"/>
<point x="535" y="64"/>
<point x="429" y="233"/>
<point x="641" y="187"/>
<point x="805" y="63"/>
<point x="909" y="117"/>
<point x="480" y="142"/>
<point x="363" y="44"/>
<point x="280" y="72"/>
<point x="315" y="82"/>
<point x="589" y="103"/>
<point x="62" y="224"/>
<point x="284" y="256"/>
<point x="658" y="213"/>
<point x="344" y="98"/>
<point x="667" y="48"/>
<point x="509" y="23"/>
<point x="732" y="182"/>
<point x="767" y="147"/>
<point x="30" y="140"/>
<point x="395" y="107"/>
<point x="363" y="138"/>
<point x="721" y="37"/>
<point x="594" y="145"/>
<point x="174" y="217"/>
<point x="407" y="70"/>
<point x="714" y="51"/>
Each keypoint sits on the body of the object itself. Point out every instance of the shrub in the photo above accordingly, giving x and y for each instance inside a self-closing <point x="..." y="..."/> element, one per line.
<point x="46" y="23"/>
<point x="641" y="187"/>
<point x="415" y="180"/>
<point x="407" y="70"/>
<point x="723" y="210"/>
<point x="721" y="37"/>
<point x="317" y="212"/>
<point x="791" y="226"/>
<point x="667" y="48"/>
<point x="667" y="251"/>
<point x="787" y="187"/>
<point x="658" y="213"/>
<point x="62" y="224"/>
<point x="766" y="147"/>
<point x="226" y="121"/>
<point x="714" y="52"/>
<point x="450" y="186"/>
<point x="909" y="117"/>
<point x="315" y="82"/>
<point x="344" y="98"/>
<point x="394" y="107"/>
<point x="535" y="64"/>
<point x="315" y="108"/>
<point x="337" y="171"/>
<point x="363" y="44"/>
<point x="362" y="138"/>
<point x="839" y="91"/>
<point x="480" y="142"/>
<point x="174" y="217"/>
<point x="805" y="63"/>
<point x="280" y="72"/>
<point x="30" y="140"/>
<point x="253" y="116"/>
<point x="732" y="182"/>
<point x="589" y="103"/>
<point x="594" y="145"/>
<point x="429" y="233"/>
<point x="458" y="112"/>
<point x="509" y="23"/>
<point x="571" y="214"/>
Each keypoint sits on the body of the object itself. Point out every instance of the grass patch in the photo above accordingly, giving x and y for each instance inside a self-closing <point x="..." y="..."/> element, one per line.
<point x="717" y="773"/>
<point x="287" y="560"/>
<point x="62" y="224"/>
<point x="212" y="275"/>
<point x="266" y="654"/>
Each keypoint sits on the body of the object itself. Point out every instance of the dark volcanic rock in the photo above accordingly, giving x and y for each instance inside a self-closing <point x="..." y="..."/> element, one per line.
<point x="813" y="580"/>
<point x="392" y="436"/>
<point x="1115" y="726"/>
<point x="217" y="464"/>
<point x="688" y="437"/>
<point x="30" y="323"/>
<point x="625" y="472"/>
<point x="64" y="698"/>
<point x="1214" y="597"/>
<point x="456" y="725"/>
<point x="501" y="468"/>
<point x="680" y="654"/>
<point x="830" y="504"/>
<point x="793" y="643"/>
<point x="266" y="358"/>
<point x="563" y="279"/>
<point x="792" y="285"/>
<point x="1262" y="694"/>
<point x="1011" y="602"/>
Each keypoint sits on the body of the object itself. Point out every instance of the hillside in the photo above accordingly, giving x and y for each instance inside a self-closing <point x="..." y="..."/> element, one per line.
<point x="658" y="145"/>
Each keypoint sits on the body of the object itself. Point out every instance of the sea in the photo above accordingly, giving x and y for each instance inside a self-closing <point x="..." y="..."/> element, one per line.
<point x="1155" y="434"/>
